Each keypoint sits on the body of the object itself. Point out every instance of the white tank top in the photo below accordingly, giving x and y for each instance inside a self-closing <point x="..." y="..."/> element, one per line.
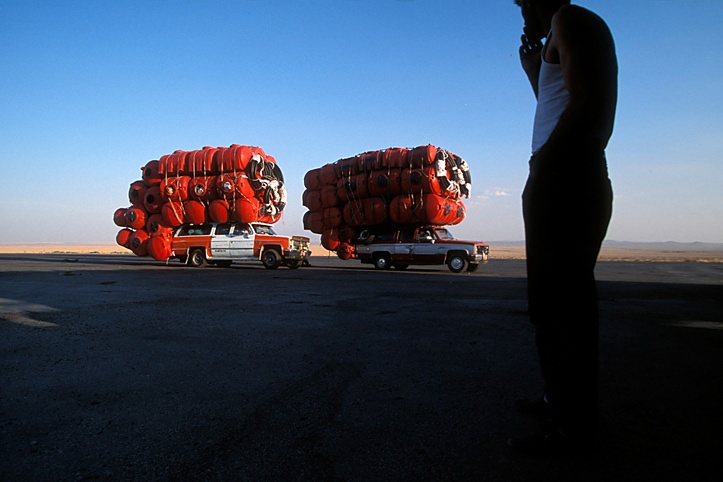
<point x="552" y="100"/>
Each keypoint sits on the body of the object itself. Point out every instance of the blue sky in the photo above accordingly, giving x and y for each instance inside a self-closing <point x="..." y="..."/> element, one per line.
<point x="93" y="90"/>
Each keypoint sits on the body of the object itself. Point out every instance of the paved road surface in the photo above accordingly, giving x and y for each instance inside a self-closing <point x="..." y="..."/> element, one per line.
<point x="122" y="368"/>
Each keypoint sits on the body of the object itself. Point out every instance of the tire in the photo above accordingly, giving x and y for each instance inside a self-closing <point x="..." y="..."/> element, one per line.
<point x="381" y="261"/>
<point x="366" y="237"/>
<point x="457" y="263"/>
<point x="401" y="266"/>
<point x="473" y="267"/>
<point x="294" y="263"/>
<point x="271" y="259"/>
<point x="197" y="258"/>
<point x="224" y="263"/>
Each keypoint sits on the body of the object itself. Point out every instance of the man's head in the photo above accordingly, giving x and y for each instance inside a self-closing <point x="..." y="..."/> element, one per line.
<point x="537" y="13"/>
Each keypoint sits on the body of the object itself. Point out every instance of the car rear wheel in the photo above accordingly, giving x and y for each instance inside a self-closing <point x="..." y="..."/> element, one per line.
<point x="473" y="267"/>
<point x="197" y="258"/>
<point x="294" y="263"/>
<point x="271" y="259"/>
<point x="457" y="263"/>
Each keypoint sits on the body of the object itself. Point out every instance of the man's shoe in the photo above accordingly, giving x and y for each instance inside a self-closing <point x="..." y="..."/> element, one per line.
<point x="538" y="408"/>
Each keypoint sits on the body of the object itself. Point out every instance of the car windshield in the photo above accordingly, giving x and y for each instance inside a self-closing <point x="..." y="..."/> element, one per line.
<point x="443" y="233"/>
<point x="264" y="229"/>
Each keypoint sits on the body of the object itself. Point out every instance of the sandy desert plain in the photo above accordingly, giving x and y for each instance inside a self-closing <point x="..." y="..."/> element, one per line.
<point x="611" y="251"/>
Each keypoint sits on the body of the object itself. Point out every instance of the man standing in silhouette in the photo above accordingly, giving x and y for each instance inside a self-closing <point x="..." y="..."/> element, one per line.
<point x="568" y="54"/>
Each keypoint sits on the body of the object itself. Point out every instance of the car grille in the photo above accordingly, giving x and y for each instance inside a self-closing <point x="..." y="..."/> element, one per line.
<point x="299" y="243"/>
<point x="483" y="249"/>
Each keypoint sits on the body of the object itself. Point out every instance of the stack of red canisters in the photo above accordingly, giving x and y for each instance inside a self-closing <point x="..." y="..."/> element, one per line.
<point x="235" y="183"/>
<point x="396" y="186"/>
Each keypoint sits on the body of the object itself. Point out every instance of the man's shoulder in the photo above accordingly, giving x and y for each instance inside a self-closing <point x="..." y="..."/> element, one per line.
<point x="575" y="17"/>
<point x="577" y="25"/>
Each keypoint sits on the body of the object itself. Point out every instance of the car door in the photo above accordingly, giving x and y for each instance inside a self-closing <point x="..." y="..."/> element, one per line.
<point x="221" y="241"/>
<point x="242" y="241"/>
<point x="404" y="249"/>
<point x="424" y="249"/>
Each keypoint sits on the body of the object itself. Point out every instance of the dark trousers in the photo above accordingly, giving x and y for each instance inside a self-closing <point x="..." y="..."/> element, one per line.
<point x="567" y="205"/>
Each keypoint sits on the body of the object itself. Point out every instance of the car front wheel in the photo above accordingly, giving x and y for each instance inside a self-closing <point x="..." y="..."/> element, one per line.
<point x="382" y="261"/>
<point x="271" y="259"/>
<point x="457" y="263"/>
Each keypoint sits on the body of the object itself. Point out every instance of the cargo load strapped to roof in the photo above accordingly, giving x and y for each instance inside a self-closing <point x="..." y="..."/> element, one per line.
<point x="235" y="183"/>
<point x="422" y="185"/>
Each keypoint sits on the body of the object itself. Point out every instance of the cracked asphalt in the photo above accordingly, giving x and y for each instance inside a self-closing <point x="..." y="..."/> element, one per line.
<point x="120" y="368"/>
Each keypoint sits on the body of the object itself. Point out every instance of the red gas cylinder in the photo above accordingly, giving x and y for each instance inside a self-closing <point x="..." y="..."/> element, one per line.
<point x="123" y="238"/>
<point x="225" y="186"/>
<point x="260" y="152"/>
<point x="194" y="162"/>
<point x="139" y="243"/>
<point x="346" y="234"/>
<point x="164" y="167"/>
<point x="329" y="196"/>
<point x="353" y="187"/>
<point x="345" y="251"/>
<point x="312" y="199"/>
<point x="421" y="180"/>
<point x="159" y="247"/>
<point x="209" y="160"/>
<point x="270" y="218"/>
<point x="375" y="210"/>
<point x="136" y="217"/>
<point x="246" y="210"/>
<point x="218" y="211"/>
<point x="311" y="180"/>
<point x="395" y="157"/>
<point x="346" y="167"/>
<point x="195" y="212"/>
<point x="151" y="175"/>
<point x="385" y="183"/>
<point x="175" y="188"/>
<point x="422" y="155"/>
<point x="119" y="217"/>
<point x="404" y="210"/>
<point x="137" y="193"/>
<point x="177" y="163"/>
<point x="354" y="213"/>
<point x="333" y="217"/>
<point x="243" y="186"/>
<point x="153" y="199"/>
<point x="201" y="162"/>
<point x="235" y="158"/>
<point x="172" y="213"/>
<point x="155" y="226"/>
<point x="370" y="160"/>
<point x="203" y="188"/>
<point x="314" y="222"/>
<point x="330" y="239"/>
<point x="231" y="186"/>
<point x="327" y="174"/>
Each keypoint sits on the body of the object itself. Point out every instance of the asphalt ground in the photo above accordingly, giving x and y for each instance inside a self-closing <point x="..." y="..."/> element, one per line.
<point x="115" y="367"/>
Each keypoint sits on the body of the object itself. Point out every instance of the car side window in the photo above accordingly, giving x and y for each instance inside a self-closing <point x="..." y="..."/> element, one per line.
<point x="223" y="229"/>
<point x="240" y="229"/>
<point x="406" y="236"/>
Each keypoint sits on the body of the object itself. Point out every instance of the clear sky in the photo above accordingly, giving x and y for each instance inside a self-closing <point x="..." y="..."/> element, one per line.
<point x="90" y="91"/>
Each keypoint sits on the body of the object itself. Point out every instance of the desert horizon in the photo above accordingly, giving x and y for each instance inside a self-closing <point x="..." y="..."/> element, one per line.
<point x="611" y="250"/>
